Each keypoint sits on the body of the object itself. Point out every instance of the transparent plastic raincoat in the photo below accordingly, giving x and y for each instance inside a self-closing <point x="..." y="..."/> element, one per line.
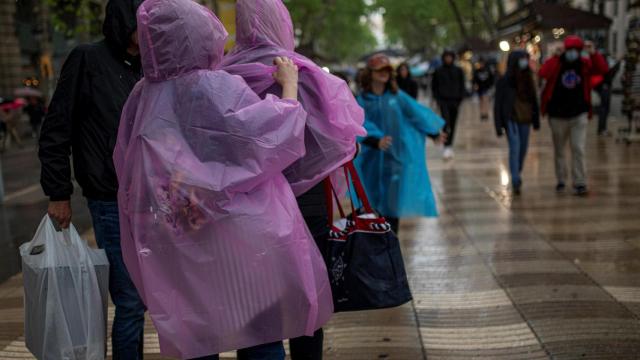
<point x="264" y="31"/>
<point x="396" y="180"/>
<point x="211" y="232"/>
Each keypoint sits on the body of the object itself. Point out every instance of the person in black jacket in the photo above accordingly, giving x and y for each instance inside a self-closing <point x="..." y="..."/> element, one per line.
<point x="516" y="110"/>
<point x="82" y="121"/>
<point x="448" y="90"/>
<point x="405" y="81"/>
<point x="483" y="81"/>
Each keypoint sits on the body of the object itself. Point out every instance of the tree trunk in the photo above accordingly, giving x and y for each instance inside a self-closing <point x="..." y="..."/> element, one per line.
<point x="10" y="69"/>
<point x="488" y="18"/>
<point x="500" y="5"/>
<point x="456" y="11"/>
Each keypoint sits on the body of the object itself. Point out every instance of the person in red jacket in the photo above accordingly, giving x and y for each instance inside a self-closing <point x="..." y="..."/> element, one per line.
<point x="566" y="98"/>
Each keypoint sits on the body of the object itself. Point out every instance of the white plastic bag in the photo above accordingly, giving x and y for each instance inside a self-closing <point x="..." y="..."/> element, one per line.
<point x="65" y="295"/>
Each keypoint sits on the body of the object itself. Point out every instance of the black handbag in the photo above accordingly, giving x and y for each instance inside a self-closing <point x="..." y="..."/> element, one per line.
<point x="364" y="260"/>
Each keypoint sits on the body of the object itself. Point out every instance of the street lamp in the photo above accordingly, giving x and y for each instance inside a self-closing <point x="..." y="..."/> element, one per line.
<point x="504" y="46"/>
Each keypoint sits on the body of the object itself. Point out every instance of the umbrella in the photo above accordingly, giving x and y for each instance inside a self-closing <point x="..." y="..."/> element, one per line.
<point x="27" y="92"/>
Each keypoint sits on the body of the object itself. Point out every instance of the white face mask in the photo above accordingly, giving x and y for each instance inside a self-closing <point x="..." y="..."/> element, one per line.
<point x="523" y="63"/>
<point x="572" y="55"/>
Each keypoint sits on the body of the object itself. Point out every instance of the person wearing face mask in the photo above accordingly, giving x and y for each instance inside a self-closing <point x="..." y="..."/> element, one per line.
<point x="566" y="98"/>
<point x="515" y="111"/>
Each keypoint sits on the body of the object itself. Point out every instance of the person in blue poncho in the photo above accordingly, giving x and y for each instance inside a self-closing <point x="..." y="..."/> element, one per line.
<point x="393" y="161"/>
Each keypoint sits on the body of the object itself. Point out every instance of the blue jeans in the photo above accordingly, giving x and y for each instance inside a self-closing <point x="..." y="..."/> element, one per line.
<point x="128" y="325"/>
<point x="518" y="137"/>
<point x="272" y="351"/>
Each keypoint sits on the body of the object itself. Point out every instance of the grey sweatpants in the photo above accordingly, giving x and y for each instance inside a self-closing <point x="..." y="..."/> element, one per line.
<point x="575" y="131"/>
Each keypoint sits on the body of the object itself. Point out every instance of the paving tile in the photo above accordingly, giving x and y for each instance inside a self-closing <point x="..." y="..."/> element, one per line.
<point x="574" y="310"/>
<point x="478" y="338"/>
<point x="469" y="317"/>
<point x="528" y="279"/>
<point x="571" y="293"/>
<point x="467" y="300"/>
<point x="533" y="267"/>
<point x="534" y="352"/>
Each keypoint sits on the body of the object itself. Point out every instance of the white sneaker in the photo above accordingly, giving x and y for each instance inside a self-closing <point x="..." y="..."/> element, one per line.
<point x="447" y="154"/>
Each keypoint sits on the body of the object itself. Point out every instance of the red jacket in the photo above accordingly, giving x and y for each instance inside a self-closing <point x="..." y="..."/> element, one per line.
<point x="550" y="71"/>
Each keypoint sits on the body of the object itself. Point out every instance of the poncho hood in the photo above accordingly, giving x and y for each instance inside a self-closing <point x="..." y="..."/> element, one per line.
<point x="170" y="46"/>
<point x="264" y="22"/>
<point x="119" y="23"/>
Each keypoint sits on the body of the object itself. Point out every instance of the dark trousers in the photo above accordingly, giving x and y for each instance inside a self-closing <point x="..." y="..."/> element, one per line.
<point x="449" y="111"/>
<point x="128" y="324"/>
<point x="604" y="108"/>
<point x="310" y="347"/>
<point x="271" y="351"/>
<point x="518" y="137"/>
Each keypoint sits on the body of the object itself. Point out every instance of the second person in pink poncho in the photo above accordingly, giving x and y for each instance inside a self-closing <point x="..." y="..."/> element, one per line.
<point x="264" y="30"/>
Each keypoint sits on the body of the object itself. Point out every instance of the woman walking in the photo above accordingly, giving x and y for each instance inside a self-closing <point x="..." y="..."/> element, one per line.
<point x="483" y="81"/>
<point x="515" y="111"/>
<point x="393" y="164"/>
<point x="405" y="80"/>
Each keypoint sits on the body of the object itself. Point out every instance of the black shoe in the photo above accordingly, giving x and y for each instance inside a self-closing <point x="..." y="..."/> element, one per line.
<point x="484" y="117"/>
<point x="517" y="190"/>
<point x="560" y="187"/>
<point x="581" y="190"/>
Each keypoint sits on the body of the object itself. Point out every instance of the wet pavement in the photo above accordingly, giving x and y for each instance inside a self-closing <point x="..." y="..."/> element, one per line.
<point x="540" y="276"/>
<point x="25" y="205"/>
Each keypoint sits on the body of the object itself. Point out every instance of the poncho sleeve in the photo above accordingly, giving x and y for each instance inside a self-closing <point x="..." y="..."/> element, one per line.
<point x="372" y="129"/>
<point x="234" y="139"/>
<point x="421" y="117"/>
<point x="125" y="129"/>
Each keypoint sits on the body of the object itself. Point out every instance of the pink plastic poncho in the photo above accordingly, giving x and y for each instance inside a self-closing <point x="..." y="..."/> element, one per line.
<point x="264" y="31"/>
<point x="211" y="232"/>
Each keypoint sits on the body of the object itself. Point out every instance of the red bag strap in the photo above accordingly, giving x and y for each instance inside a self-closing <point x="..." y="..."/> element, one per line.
<point x="357" y="185"/>
<point x="330" y="195"/>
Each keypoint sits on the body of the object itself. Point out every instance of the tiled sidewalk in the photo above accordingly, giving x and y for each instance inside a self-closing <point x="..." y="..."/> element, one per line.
<point x="495" y="277"/>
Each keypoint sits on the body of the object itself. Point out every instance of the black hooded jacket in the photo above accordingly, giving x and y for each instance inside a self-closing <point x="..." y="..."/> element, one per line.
<point x="506" y="92"/>
<point x="84" y="113"/>
<point x="448" y="81"/>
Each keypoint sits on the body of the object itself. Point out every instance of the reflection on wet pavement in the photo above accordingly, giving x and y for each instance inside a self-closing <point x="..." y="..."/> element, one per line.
<point x="495" y="277"/>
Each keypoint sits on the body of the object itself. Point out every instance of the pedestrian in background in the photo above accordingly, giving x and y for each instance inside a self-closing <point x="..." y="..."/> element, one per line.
<point x="448" y="86"/>
<point x="36" y="111"/>
<point x="515" y="111"/>
<point x="566" y="98"/>
<point x="393" y="161"/>
<point x="10" y="114"/>
<point x="604" y="91"/>
<point x="405" y="80"/>
<point x="83" y="120"/>
<point x="483" y="81"/>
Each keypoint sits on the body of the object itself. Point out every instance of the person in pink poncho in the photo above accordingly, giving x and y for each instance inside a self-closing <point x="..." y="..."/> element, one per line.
<point x="211" y="232"/>
<point x="264" y="30"/>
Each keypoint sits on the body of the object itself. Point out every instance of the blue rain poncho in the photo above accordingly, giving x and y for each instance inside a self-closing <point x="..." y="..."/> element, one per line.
<point x="396" y="180"/>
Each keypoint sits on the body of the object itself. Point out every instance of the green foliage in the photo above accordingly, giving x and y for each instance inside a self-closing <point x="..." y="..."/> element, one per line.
<point x="430" y="25"/>
<point x="76" y="17"/>
<point x="335" y="30"/>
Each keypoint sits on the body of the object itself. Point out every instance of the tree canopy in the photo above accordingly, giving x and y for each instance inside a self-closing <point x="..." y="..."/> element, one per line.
<point x="334" y="30"/>
<point x="430" y="25"/>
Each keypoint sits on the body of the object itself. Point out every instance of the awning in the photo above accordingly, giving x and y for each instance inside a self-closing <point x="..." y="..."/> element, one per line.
<point x="540" y="15"/>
